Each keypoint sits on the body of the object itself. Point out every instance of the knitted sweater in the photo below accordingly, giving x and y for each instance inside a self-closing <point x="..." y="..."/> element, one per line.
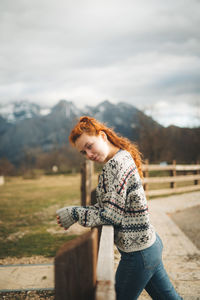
<point x="121" y="202"/>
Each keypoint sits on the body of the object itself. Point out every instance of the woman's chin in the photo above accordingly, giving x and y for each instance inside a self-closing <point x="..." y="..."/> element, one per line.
<point x="100" y="160"/>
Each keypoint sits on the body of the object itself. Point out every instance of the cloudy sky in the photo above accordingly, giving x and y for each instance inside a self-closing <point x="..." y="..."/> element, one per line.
<point x="145" y="52"/>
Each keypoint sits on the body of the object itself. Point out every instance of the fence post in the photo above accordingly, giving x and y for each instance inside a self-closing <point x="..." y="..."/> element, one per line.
<point x="75" y="268"/>
<point x="146" y="174"/>
<point x="173" y="173"/>
<point x="86" y="182"/>
<point x="197" y="172"/>
<point x="2" y="181"/>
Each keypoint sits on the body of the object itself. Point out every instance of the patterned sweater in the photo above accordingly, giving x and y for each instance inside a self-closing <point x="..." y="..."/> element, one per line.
<point x="121" y="202"/>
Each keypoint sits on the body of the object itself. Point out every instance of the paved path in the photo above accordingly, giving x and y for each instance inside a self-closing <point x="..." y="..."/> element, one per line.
<point x="181" y="257"/>
<point x="26" y="277"/>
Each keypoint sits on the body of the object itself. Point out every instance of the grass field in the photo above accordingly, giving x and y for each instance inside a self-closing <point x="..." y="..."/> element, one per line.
<point x="28" y="214"/>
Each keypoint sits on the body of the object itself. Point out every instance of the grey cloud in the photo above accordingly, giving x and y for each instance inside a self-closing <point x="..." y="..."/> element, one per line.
<point x="130" y="51"/>
<point x="180" y="83"/>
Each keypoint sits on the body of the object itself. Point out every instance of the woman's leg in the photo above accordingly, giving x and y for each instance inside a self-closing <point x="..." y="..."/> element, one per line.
<point x="160" y="287"/>
<point x="135" y="270"/>
<point x="144" y="269"/>
<point x="131" y="277"/>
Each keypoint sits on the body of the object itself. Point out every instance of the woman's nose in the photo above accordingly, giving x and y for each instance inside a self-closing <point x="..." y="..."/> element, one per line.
<point x="89" y="154"/>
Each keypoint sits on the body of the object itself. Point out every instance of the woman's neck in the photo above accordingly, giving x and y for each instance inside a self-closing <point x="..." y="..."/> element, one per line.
<point x="112" y="152"/>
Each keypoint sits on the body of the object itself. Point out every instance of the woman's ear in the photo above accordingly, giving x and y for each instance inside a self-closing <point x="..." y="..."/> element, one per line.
<point x="103" y="135"/>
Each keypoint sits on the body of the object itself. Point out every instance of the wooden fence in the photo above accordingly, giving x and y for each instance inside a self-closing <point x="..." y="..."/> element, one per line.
<point x="189" y="175"/>
<point x="2" y="180"/>
<point x="105" y="266"/>
<point x="75" y="268"/>
<point x="84" y="267"/>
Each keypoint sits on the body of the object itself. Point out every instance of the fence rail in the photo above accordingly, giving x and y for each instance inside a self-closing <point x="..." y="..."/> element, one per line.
<point x="2" y="180"/>
<point x="169" y="179"/>
<point x="176" y="176"/>
<point x="105" y="266"/>
<point x="84" y="267"/>
<point x="152" y="167"/>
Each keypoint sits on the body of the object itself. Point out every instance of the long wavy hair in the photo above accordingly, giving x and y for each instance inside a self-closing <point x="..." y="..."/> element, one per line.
<point x="91" y="126"/>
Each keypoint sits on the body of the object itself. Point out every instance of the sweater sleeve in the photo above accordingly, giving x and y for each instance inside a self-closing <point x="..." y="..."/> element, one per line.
<point x="109" y="213"/>
<point x="110" y="207"/>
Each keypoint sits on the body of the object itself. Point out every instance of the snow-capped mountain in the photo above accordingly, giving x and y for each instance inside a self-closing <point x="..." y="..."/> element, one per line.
<point x="65" y="108"/>
<point x="123" y="117"/>
<point x="22" y="110"/>
<point x="26" y="125"/>
<point x="17" y="111"/>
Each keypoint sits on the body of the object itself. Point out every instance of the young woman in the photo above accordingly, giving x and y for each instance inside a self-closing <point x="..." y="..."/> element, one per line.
<point x="121" y="202"/>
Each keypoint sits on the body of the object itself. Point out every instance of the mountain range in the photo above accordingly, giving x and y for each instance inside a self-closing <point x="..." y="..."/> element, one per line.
<point x="25" y="125"/>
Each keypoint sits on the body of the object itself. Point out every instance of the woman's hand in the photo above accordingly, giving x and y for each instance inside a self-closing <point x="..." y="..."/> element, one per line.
<point x="65" y="217"/>
<point x="59" y="223"/>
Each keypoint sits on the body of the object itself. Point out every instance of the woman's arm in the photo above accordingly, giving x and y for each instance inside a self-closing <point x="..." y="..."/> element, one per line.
<point x="112" y="202"/>
<point x="110" y="213"/>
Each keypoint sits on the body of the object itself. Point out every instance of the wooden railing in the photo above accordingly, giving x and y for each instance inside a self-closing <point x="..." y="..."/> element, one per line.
<point x="75" y="268"/>
<point x="105" y="266"/>
<point x="84" y="267"/>
<point x="175" y="176"/>
<point x="2" y="180"/>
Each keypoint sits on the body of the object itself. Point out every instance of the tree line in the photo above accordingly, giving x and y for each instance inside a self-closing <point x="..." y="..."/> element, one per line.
<point x="159" y="143"/>
<point x="156" y="143"/>
<point x="34" y="162"/>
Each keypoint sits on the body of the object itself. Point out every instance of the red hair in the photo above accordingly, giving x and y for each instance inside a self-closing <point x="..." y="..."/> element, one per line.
<point x="91" y="126"/>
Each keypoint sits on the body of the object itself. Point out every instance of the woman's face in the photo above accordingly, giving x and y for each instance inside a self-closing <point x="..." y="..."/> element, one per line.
<point x="95" y="148"/>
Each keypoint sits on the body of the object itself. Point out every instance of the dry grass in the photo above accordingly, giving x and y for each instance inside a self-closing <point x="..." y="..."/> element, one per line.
<point x="28" y="213"/>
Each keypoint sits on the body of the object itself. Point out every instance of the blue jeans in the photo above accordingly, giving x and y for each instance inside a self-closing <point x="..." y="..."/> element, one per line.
<point x="144" y="270"/>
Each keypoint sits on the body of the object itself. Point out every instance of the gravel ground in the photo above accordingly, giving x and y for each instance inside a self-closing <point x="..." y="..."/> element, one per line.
<point x="26" y="260"/>
<point x="27" y="295"/>
<point x="188" y="221"/>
